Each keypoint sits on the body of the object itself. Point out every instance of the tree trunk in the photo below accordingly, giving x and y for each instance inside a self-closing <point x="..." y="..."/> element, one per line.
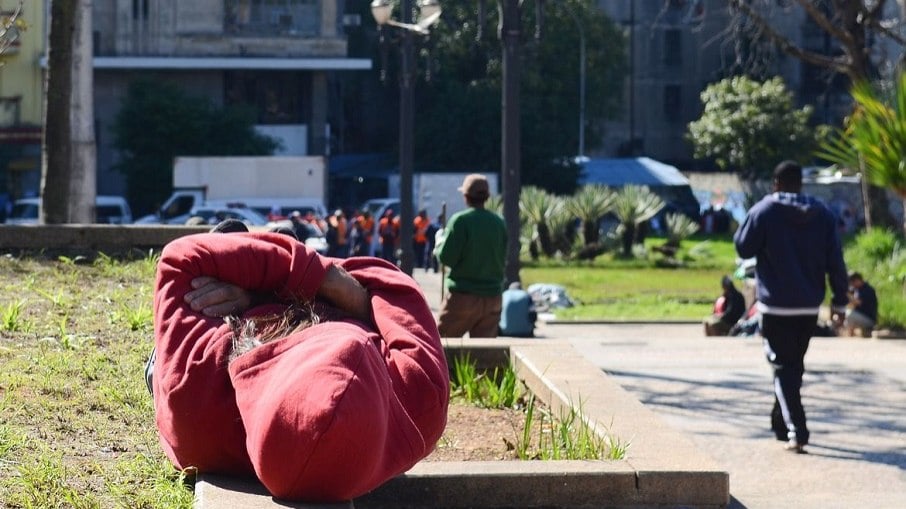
<point x="83" y="183"/>
<point x="57" y="149"/>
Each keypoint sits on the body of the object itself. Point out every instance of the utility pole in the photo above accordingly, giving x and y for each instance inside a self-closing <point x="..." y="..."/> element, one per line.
<point x="511" y="132"/>
<point x="407" y="121"/>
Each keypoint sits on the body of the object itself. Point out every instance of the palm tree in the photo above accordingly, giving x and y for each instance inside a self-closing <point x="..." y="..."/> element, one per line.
<point x="679" y="226"/>
<point x="536" y="207"/>
<point x="874" y="137"/>
<point x="561" y="224"/>
<point x="633" y="205"/>
<point x="589" y="205"/>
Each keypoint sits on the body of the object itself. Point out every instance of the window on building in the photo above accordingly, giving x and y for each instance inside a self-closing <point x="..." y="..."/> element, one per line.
<point x="673" y="47"/>
<point x="672" y="103"/>
<point x="277" y="97"/>
<point x="280" y="17"/>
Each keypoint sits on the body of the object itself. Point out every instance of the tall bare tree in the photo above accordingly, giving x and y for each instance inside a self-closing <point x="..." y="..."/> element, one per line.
<point x="10" y="25"/>
<point x="68" y="177"/>
<point x="853" y="26"/>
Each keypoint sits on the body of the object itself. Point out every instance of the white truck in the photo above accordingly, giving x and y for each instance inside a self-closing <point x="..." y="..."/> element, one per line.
<point x="261" y="183"/>
<point x="431" y="190"/>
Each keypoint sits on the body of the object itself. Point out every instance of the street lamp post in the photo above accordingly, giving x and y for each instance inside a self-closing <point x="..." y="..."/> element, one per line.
<point x="511" y="127"/>
<point x="581" y="80"/>
<point x="429" y="14"/>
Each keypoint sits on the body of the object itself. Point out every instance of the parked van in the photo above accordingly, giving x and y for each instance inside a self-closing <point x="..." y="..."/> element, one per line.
<point x="110" y="210"/>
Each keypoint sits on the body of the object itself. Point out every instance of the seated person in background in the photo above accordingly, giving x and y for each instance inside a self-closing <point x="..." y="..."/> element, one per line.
<point x="517" y="317"/>
<point x="862" y="311"/>
<point x="728" y="309"/>
<point x="322" y="377"/>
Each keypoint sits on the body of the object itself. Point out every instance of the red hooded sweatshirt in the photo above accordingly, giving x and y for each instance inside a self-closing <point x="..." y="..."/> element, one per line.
<point x="325" y="414"/>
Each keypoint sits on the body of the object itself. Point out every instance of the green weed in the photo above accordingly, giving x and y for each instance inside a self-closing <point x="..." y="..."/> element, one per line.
<point x="499" y="390"/>
<point x="565" y="437"/>
<point x="11" y="317"/>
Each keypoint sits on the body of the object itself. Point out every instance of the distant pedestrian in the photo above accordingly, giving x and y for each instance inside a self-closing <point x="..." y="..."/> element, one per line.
<point x="474" y="247"/>
<point x="364" y="231"/>
<point x="728" y="309"/>
<point x="420" y="237"/>
<point x="388" y="233"/>
<point x="518" y="315"/>
<point x="337" y="235"/>
<point x="795" y="241"/>
<point x="434" y="228"/>
<point x="862" y="311"/>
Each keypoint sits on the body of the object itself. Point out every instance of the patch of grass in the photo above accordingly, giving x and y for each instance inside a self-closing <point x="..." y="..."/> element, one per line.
<point x="10" y="317"/>
<point x="78" y="425"/>
<point x="499" y="389"/>
<point x="566" y="436"/>
<point x="616" y="288"/>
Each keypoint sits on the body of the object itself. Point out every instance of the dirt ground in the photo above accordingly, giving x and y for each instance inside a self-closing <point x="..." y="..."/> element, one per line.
<point x="478" y="434"/>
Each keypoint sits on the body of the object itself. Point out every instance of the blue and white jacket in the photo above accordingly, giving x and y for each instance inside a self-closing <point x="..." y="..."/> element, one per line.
<point x="795" y="242"/>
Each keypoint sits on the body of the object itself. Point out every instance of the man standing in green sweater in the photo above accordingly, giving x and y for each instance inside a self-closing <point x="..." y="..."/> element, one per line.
<point x="474" y="248"/>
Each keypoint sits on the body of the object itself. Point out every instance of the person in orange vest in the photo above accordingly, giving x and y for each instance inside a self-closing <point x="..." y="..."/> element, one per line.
<point x="336" y="235"/>
<point x="389" y="233"/>
<point x="420" y="237"/>
<point x="364" y="227"/>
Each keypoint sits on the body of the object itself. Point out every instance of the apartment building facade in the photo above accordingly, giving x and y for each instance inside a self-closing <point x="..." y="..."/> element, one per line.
<point x="21" y="106"/>
<point x="277" y="56"/>
<point x="678" y="47"/>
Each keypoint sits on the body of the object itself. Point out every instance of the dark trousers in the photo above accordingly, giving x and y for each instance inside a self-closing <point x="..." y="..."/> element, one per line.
<point x="418" y="250"/>
<point x="786" y="340"/>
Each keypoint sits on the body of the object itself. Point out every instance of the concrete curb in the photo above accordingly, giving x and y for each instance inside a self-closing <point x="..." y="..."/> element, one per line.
<point x="662" y="469"/>
<point x="76" y="238"/>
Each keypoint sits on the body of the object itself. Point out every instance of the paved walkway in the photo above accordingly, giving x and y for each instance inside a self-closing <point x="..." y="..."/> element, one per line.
<point x="718" y="391"/>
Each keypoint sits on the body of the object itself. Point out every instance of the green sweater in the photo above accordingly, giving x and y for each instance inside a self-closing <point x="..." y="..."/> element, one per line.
<point x="474" y="247"/>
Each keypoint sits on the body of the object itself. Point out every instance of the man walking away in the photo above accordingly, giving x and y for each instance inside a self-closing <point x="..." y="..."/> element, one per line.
<point x="795" y="241"/>
<point x="474" y="247"/>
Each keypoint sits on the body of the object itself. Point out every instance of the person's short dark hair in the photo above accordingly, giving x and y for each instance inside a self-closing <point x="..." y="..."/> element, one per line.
<point x="726" y="283"/>
<point x="855" y="275"/>
<point x="788" y="174"/>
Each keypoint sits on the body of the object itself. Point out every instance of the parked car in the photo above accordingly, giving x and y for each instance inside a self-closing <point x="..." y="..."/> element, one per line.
<point x="214" y="215"/>
<point x="108" y="210"/>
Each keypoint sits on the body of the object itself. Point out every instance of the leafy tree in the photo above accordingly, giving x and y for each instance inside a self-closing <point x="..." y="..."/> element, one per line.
<point x="874" y="136"/>
<point x="158" y="121"/>
<point x="851" y="29"/>
<point x="749" y="126"/>
<point x="464" y="65"/>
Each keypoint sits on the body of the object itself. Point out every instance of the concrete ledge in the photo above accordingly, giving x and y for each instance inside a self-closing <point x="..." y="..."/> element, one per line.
<point x="107" y="238"/>
<point x="662" y="469"/>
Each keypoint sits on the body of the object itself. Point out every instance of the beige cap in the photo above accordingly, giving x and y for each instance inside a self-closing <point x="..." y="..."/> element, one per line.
<point x="475" y="185"/>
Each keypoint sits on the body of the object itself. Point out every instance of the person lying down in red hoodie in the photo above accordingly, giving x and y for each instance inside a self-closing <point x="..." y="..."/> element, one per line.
<point x="322" y="377"/>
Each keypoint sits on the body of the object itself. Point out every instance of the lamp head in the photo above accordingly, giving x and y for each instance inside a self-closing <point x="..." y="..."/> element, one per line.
<point x="381" y="10"/>
<point x="428" y="8"/>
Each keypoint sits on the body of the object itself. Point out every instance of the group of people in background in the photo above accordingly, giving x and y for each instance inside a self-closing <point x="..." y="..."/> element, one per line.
<point x="353" y="234"/>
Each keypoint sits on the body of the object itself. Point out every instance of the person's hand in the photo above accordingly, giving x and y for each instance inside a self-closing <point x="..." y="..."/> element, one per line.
<point x="346" y="294"/>
<point x="214" y="297"/>
<point x="837" y="318"/>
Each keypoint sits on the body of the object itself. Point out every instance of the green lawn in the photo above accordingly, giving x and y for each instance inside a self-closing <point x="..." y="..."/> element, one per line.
<point x="636" y="289"/>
